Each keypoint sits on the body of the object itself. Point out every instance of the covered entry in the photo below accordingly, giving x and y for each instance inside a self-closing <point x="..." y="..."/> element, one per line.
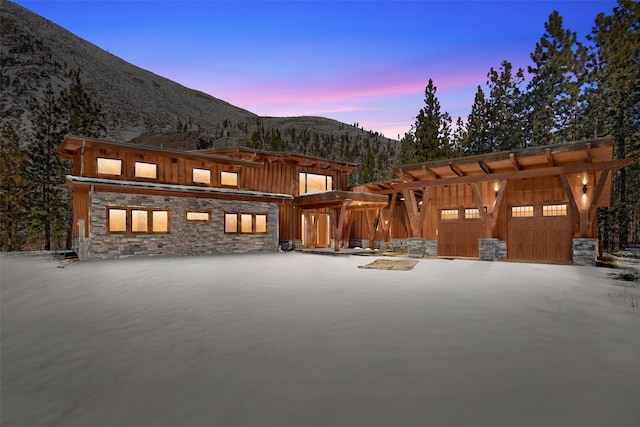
<point x="327" y="215"/>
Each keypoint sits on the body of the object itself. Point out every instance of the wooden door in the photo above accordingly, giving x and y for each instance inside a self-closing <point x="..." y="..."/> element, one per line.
<point x="540" y="238"/>
<point x="459" y="237"/>
<point x="322" y="225"/>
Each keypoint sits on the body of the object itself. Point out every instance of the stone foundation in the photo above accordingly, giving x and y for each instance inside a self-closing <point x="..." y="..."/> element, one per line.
<point x="488" y="249"/>
<point x="585" y="251"/>
<point x="184" y="238"/>
<point x="416" y="247"/>
<point x="430" y="247"/>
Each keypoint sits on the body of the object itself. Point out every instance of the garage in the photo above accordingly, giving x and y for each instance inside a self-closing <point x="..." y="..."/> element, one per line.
<point x="539" y="232"/>
<point x="458" y="233"/>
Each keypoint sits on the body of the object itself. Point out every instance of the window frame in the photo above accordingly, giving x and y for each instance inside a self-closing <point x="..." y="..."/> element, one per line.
<point x="239" y="222"/>
<point x="328" y="182"/>
<point x="555" y="210"/>
<point x="200" y="211"/>
<point x="447" y="214"/>
<point x="237" y="175"/>
<point x="110" y="159"/>
<point x="193" y="176"/>
<point x="129" y="219"/>
<point x="135" y="172"/>
<point x="521" y="214"/>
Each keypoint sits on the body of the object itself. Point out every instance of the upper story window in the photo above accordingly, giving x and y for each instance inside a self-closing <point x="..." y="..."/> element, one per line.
<point x="472" y="213"/>
<point x="554" y="210"/>
<point x="229" y="179"/>
<point x="145" y="170"/>
<point x="313" y="183"/>
<point x="109" y="166"/>
<point x="449" y="214"/>
<point x="521" y="211"/>
<point x="201" y="176"/>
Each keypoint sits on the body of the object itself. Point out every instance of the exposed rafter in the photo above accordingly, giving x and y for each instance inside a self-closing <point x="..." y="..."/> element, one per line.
<point x="514" y="161"/>
<point x="455" y="169"/>
<point x="549" y="157"/>
<point x="484" y="166"/>
<point x="588" y="150"/>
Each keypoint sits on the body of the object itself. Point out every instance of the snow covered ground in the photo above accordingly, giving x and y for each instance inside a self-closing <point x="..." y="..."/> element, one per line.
<point x="293" y="339"/>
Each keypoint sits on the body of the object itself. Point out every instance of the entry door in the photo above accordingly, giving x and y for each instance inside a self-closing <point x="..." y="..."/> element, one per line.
<point x="323" y="230"/>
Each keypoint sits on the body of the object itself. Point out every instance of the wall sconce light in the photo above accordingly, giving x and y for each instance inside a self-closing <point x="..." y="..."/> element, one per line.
<point x="584" y="188"/>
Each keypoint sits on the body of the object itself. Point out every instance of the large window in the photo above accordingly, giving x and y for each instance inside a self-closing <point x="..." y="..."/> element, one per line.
<point x="245" y="223"/>
<point x="128" y="220"/>
<point x="313" y="183"/>
<point x="201" y="176"/>
<point x="145" y="170"/>
<point x="229" y="179"/>
<point x="109" y="166"/>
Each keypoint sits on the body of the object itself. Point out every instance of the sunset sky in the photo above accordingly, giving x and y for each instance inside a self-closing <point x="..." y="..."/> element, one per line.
<point x="359" y="61"/>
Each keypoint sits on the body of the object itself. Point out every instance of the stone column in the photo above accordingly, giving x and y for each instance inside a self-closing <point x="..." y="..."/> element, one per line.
<point x="488" y="249"/>
<point x="585" y="251"/>
<point x="416" y="247"/>
<point x="430" y="247"/>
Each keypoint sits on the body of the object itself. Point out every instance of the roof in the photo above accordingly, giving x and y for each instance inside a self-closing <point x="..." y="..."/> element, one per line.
<point x="351" y="200"/>
<point x="551" y="160"/>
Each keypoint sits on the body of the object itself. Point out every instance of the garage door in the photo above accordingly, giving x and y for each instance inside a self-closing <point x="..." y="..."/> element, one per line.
<point x="539" y="233"/>
<point x="458" y="237"/>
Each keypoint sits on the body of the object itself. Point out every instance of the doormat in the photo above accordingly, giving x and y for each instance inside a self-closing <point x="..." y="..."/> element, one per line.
<point x="391" y="264"/>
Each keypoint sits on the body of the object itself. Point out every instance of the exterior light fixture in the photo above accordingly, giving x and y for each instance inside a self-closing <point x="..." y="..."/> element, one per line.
<point x="584" y="188"/>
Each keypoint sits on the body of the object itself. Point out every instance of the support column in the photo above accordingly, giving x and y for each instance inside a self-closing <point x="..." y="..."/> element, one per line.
<point x="585" y="251"/>
<point x="488" y="248"/>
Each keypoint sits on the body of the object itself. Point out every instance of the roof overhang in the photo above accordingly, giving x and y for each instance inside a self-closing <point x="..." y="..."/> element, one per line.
<point x="334" y="199"/>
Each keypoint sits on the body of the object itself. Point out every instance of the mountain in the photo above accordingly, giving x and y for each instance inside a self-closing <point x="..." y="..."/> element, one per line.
<point x="143" y="107"/>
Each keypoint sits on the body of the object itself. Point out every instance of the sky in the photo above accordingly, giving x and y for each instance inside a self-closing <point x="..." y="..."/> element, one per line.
<point x="365" y="62"/>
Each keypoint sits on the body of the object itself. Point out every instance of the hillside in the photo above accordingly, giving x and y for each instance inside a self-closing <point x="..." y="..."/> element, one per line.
<point x="140" y="105"/>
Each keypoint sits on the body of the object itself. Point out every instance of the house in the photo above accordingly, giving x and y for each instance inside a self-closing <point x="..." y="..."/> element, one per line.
<point x="537" y="203"/>
<point x="139" y="200"/>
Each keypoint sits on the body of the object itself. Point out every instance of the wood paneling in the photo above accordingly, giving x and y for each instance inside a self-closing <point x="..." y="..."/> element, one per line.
<point x="459" y="238"/>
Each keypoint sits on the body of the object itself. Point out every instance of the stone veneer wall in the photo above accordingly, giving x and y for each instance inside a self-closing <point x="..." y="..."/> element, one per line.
<point x="185" y="238"/>
<point x="585" y="251"/>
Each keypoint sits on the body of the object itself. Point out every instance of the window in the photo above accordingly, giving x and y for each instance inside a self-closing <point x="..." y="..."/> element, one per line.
<point x="472" y="213"/>
<point x="229" y="179"/>
<point x="312" y="183"/>
<point x="137" y="220"/>
<point x="245" y="223"/>
<point x="521" y="211"/>
<point x="145" y="170"/>
<point x="109" y="166"/>
<point x="117" y="220"/>
<point x="554" y="210"/>
<point x="449" y="214"/>
<point x="197" y="216"/>
<point x="202" y="176"/>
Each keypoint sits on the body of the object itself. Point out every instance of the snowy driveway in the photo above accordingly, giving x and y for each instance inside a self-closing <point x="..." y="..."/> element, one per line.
<point x="293" y="339"/>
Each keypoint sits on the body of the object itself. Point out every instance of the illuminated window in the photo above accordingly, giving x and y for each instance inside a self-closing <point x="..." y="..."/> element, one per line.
<point x="202" y="176"/>
<point x="554" y="210"/>
<point x="117" y="220"/>
<point x="261" y="223"/>
<point x="449" y="214"/>
<point x="160" y="222"/>
<point x="245" y="223"/>
<point x="197" y="216"/>
<point x="229" y="179"/>
<point x="313" y="183"/>
<point x="109" y="166"/>
<point x="137" y="220"/>
<point x="521" y="211"/>
<point x="145" y="170"/>
<point x="230" y="223"/>
<point x="472" y="213"/>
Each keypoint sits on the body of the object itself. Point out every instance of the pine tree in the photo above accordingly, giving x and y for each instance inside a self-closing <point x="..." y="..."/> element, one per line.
<point x="504" y="108"/>
<point x="46" y="171"/>
<point x="617" y="49"/>
<point x="84" y="116"/>
<point x="13" y="188"/>
<point x="477" y="140"/>
<point x="558" y="76"/>
<point x="427" y="126"/>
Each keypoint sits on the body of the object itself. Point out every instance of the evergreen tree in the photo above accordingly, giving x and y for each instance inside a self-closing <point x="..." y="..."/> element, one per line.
<point x="46" y="171"/>
<point x="504" y="108"/>
<point x="558" y="76"/>
<point x="617" y="49"/>
<point x="84" y="116"/>
<point x="13" y="188"/>
<point x="477" y="140"/>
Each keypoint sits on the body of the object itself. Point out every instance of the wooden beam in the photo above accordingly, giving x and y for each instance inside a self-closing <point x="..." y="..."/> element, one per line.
<point x="573" y="204"/>
<point x="412" y="211"/>
<point x="522" y="174"/>
<point x="514" y="161"/>
<point x="477" y="197"/>
<point x="455" y="169"/>
<point x="597" y="194"/>
<point x="588" y="150"/>
<point x="405" y="175"/>
<point x="549" y="157"/>
<point x="429" y="172"/>
<point x="485" y="167"/>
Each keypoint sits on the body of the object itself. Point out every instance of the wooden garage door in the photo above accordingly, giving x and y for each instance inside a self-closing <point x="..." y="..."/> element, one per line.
<point x="459" y="237"/>
<point x="540" y="237"/>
